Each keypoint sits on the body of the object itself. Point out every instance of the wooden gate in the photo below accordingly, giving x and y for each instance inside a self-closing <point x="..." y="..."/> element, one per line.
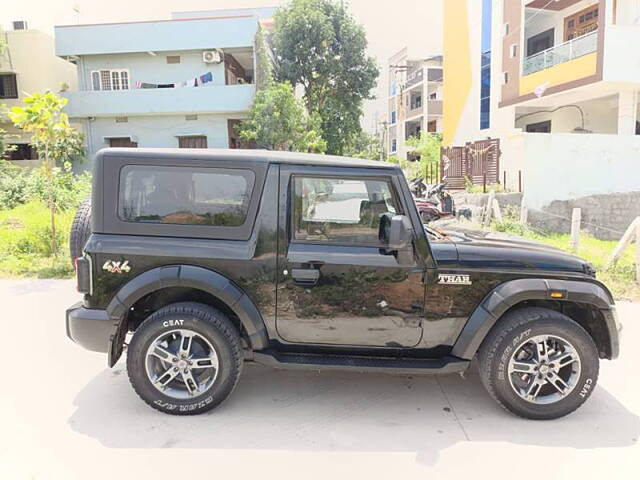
<point x="477" y="161"/>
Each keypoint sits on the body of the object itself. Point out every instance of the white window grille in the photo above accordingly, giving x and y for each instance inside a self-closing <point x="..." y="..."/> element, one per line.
<point x="110" y="80"/>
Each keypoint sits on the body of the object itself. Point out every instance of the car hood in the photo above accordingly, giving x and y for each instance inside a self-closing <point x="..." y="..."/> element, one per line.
<point x="473" y="249"/>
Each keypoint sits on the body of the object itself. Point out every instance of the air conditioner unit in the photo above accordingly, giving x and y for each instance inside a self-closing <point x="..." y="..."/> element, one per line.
<point x="212" y="56"/>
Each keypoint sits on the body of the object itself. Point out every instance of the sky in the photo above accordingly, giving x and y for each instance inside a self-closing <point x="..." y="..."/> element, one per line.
<point x="390" y="25"/>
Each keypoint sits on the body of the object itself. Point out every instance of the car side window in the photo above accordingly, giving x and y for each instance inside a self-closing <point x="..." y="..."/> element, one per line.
<point x="341" y="210"/>
<point x="185" y="196"/>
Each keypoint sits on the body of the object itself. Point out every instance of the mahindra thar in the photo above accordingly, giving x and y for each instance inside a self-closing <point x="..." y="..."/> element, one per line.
<point x="200" y="260"/>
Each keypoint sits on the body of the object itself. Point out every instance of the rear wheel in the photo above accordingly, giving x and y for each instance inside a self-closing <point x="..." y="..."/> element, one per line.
<point x="185" y="358"/>
<point x="538" y="363"/>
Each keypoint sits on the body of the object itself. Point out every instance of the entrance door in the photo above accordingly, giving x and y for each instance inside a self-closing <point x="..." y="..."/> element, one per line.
<point x="340" y="285"/>
<point x="540" y="42"/>
<point x="581" y="23"/>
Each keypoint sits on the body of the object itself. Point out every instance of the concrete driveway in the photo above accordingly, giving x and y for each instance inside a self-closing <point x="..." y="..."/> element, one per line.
<point x="64" y="415"/>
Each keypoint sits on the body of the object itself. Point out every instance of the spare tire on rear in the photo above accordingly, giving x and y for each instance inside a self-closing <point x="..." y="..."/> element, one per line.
<point x="80" y="229"/>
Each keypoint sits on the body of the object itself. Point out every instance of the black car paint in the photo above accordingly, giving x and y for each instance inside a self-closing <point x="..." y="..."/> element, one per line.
<point x="427" y="323"/>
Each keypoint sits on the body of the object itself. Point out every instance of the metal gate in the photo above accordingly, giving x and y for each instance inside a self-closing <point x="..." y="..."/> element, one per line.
<point x="477" y="161"/>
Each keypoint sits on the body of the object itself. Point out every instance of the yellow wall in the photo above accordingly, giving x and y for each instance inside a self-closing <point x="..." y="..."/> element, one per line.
<point x="576" y="69"/>
<point x="457" y="65"/>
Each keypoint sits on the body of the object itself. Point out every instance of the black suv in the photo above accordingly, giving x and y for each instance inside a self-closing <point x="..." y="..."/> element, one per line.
<point x="201" y="260"/>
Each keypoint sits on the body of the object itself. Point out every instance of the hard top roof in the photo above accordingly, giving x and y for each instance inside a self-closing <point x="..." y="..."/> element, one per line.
<point x="267" y="156"/>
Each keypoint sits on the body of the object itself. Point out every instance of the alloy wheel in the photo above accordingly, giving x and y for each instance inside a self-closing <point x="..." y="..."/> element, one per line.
<point x="544" y="369"/>
<point x="181" y="364"/>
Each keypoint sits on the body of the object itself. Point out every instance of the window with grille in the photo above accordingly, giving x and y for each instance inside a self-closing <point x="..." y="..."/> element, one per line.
<point x="8" y="86"/>
<point x="110" y="80"/>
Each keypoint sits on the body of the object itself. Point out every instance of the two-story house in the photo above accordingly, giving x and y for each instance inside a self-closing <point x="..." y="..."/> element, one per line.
<point x="29" y="65"/>
<point x="554" y="84"/>
<point x="184" y="82"/>
<point x="415" y="100"/>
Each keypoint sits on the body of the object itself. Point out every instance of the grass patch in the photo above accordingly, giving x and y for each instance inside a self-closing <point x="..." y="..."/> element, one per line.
<point x="25" y="242"/>
<point x="620" y="279"/>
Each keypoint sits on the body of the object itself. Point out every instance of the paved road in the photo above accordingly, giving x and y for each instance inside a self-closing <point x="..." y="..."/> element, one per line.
<point x="64" y="415"/>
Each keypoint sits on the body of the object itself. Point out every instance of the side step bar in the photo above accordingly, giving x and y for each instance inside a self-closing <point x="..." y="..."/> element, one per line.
<point x="361" y="364"/>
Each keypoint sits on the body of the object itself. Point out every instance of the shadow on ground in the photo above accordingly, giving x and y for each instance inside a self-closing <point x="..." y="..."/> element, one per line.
<point x="339" y="411"/>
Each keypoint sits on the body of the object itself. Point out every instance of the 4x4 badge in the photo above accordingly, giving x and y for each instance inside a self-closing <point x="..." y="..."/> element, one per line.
<point x="451" y="279"/>
<point x="116" y="267"/>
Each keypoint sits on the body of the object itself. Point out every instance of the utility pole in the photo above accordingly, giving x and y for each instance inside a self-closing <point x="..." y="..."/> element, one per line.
<point x="383" y="140"/>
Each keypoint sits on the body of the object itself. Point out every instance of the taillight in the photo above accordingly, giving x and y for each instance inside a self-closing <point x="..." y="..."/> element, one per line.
<point x="83" y="274"/>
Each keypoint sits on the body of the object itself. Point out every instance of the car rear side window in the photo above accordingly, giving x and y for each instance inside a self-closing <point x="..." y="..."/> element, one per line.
<point x="185" y="196"/>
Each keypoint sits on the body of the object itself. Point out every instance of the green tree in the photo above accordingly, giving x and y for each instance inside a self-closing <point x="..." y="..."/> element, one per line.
<point x="319" y="45"/>
<point x="264" y="62"/>
<point x="428" y="147"/>
<point x="279" y="121"/>
<point x="364" y="145"/>
<point x="57" y="143"/>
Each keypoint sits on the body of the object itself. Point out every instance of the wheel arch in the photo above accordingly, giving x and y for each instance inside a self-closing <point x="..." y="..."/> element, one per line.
<point x="231" y="297"/>
<point x="587" y="303"/>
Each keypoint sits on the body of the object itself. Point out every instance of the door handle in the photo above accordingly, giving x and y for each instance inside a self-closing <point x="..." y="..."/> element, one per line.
<point x="307" y="277"/>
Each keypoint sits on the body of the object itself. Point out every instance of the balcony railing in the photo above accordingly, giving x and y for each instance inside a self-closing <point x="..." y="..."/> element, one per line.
<point x="561" y="53"/>
<point x="415" y="77"/>
<point x="141" y="101"/>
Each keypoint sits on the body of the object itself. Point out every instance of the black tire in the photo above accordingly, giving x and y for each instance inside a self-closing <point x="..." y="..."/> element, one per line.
<point x="207" y="322"/>
<point x="505" y="339"/>
<point x="80" y="230"/>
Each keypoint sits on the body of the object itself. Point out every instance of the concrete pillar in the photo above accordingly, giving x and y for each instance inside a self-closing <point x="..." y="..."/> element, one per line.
<point x="627" y="112"/>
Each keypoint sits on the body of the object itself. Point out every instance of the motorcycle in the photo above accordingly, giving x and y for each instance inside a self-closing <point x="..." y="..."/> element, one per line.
<point x="434" y="202"/>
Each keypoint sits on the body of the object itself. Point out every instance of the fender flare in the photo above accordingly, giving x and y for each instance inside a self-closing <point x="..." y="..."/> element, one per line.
<point x="192" y="277"/>
<point x="510" y="293"/>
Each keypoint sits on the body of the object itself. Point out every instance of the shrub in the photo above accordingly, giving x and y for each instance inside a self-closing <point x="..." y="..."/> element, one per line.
<point x="13" y="188"/>
<point x="69" y="189"/>
<point x="25" y="241"/>
<point x="20" y="185"/>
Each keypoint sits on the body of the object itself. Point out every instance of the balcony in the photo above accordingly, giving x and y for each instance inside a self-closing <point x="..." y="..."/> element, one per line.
<point x="561" y="53"/>
<point x="212" y="99"/>
<point x="415" y="78"/>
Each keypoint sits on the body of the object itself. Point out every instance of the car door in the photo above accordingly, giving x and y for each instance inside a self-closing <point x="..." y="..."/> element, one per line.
<point x="340" y="284"/>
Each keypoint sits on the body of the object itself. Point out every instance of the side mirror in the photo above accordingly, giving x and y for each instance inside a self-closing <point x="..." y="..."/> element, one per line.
<point x="400" y="232"/>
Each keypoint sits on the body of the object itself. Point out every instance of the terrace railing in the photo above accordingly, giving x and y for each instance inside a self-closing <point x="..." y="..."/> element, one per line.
<point x="561" y="53"/>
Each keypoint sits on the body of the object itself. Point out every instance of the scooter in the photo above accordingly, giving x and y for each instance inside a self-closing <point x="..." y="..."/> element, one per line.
<point x="436" y="204"/>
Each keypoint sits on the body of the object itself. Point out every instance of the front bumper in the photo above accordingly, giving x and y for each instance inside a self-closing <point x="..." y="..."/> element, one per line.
<point x="91" y="328"/>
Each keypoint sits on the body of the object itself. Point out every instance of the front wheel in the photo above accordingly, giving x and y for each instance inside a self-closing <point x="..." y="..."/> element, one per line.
<point x="538" y="363"/>
<point x="185" y="358"/>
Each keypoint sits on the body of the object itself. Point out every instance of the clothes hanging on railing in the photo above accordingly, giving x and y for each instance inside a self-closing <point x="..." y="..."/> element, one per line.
<point x="192" y="82"/>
